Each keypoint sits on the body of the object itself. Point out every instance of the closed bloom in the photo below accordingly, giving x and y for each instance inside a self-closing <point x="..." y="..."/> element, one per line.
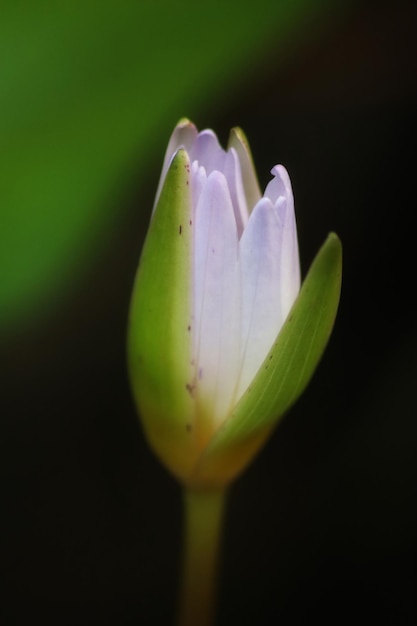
<point x="245" y="267"/>
<point x="218" y="277"/>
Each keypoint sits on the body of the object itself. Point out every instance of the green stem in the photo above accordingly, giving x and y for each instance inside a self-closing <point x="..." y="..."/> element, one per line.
<point x="203" y="519"/>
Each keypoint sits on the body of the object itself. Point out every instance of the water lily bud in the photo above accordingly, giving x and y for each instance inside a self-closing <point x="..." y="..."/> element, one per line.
<point x="221" y="340"/>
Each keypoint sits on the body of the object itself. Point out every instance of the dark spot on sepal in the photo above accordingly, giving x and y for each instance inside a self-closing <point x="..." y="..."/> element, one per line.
<point x="190" y="388"/>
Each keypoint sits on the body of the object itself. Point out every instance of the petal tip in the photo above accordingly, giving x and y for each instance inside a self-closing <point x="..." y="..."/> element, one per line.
<point x="280" y="171"/>
<point x="184" y="122"/>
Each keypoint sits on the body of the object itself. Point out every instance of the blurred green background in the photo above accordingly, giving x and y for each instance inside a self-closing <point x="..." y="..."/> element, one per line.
<point x="322" y="527"/>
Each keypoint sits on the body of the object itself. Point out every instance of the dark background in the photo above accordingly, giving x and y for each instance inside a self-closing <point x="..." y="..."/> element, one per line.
<point x="322" y="526"/>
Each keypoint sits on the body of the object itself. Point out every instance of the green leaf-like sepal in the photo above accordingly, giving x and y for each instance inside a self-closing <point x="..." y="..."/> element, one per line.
<point x="284" y="373"/>
<point x="159" y="337"/>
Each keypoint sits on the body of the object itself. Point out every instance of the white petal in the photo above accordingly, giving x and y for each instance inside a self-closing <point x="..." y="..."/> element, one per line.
<point x="260" y="257"/>
<point x="184" y="135"/>
<point x="216" y="293"/>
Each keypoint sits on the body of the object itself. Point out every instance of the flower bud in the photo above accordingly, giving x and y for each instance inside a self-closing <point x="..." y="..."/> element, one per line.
<point x="221" y="340"/>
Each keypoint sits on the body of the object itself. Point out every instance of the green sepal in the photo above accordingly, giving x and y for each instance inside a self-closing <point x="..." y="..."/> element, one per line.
<point x="284" y="374"/>
<point x="160" y="320"/>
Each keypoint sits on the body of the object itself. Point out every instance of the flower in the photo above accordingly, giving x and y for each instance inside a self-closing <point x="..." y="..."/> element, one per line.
<point x="245" y="267"/>
<point x="218" y="277"/>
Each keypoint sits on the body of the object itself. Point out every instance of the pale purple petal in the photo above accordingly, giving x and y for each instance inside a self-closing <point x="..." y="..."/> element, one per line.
<point x="216" y="297"/>
<point x="280" y="185"/>
<point x="260" y="257"/>
<point x="208" y="152"/>
<point x="289" y="260"/>
<point x="198" y="181"/>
